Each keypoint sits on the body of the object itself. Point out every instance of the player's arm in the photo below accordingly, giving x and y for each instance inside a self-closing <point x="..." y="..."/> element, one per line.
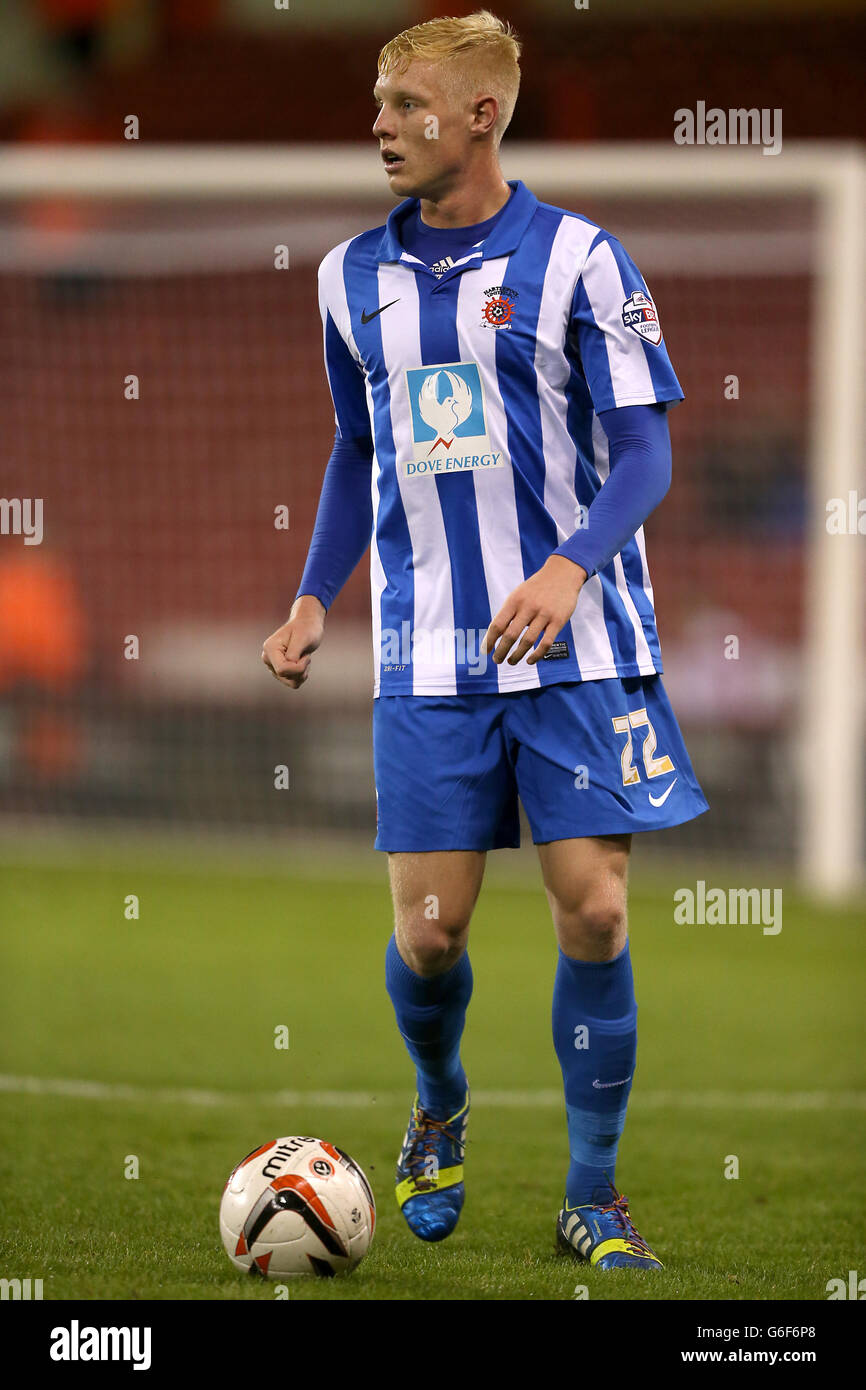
<point x="344" y="520"/>
<point x="639" y="477"/>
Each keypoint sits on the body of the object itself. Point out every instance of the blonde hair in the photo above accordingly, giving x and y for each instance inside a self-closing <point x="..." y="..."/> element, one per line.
<point x="477" y="53"/>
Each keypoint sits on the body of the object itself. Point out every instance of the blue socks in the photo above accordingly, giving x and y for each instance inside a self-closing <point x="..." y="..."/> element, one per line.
<point x="594" y="1033"/>
<point x="595" y="1036"/>
<point x="430" y="1015"/>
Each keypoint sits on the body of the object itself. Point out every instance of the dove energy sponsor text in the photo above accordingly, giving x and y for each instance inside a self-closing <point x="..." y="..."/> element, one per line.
<point x="454" y="464"/>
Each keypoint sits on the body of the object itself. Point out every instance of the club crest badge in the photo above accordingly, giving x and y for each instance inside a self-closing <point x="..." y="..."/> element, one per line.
<point x="640" y="314"/>
<point x="499" y="307"/>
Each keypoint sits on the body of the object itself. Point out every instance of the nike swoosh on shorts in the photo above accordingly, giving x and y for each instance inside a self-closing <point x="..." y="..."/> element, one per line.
<point x="660" y="800"/>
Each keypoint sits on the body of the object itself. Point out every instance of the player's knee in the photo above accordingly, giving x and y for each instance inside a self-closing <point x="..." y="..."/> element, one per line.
<point x="432" y="947"/>
<point x="594" y="928"/>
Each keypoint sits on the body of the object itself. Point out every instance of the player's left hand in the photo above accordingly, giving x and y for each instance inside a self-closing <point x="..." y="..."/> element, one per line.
<point x="539" y="607"/>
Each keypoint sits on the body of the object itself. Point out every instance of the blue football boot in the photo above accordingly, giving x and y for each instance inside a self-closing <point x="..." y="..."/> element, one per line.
<point x="604" y="1236"/>
<point x="429" y="1179"/>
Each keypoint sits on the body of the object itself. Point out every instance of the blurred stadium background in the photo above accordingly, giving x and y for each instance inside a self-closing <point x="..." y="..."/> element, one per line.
<point x="150" y="782"/>
<point x="159" y="512"/>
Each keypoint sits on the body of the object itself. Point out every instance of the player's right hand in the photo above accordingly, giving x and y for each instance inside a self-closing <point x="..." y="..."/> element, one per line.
<point x="287" y="653"/>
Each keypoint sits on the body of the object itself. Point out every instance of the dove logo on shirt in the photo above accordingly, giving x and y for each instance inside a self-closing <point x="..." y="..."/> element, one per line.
<point x="449" y="428"/>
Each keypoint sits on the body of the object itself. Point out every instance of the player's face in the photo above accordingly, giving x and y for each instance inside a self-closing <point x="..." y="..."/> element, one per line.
<point x="424" y="137"/>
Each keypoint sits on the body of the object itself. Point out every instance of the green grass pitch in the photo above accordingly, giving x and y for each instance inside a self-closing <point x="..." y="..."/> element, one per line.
<point x="750" y="1045"/>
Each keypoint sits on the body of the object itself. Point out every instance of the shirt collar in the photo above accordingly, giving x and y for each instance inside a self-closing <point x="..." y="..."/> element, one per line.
<point x="505" y="237"/>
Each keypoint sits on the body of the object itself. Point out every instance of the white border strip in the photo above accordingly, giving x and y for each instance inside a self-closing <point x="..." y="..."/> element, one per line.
<point x="359" y="1100"/>
<point x="265" y="171"/>
<point x="205" y="250"/>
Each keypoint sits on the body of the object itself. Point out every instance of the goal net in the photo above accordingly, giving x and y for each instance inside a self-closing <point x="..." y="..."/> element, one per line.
<point x="167" y="424"/>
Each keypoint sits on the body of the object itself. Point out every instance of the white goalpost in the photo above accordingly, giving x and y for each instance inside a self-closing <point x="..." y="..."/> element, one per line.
<point x="830" y="744"/>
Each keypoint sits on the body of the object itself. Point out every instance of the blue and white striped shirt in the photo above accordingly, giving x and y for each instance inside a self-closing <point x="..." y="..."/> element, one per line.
<point x="480" y="391"/>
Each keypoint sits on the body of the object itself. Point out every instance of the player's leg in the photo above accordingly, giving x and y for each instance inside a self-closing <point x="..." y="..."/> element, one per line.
<point x="596" y="761"/>
<point x="429" y="979"/>
<point x="594" y="1008"/>
<point x="595" y="1036"/>
<point x="427" y="970"/>
<point x="446" y="795"/>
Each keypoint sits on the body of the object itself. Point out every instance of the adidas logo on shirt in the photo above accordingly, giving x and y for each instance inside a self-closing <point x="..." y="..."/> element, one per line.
<point x="442" y="266"/>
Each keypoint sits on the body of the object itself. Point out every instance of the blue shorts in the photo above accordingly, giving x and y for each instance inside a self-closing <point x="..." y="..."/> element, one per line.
<point x="584" y="757"/>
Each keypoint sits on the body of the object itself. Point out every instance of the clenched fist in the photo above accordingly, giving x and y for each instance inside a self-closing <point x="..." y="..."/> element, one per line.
<point x="288" y="651"/>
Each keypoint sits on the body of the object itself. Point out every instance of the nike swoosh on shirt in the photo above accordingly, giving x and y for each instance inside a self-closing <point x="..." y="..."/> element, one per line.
<point x="660" y="800"/>
<point x="365" y="317"/>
